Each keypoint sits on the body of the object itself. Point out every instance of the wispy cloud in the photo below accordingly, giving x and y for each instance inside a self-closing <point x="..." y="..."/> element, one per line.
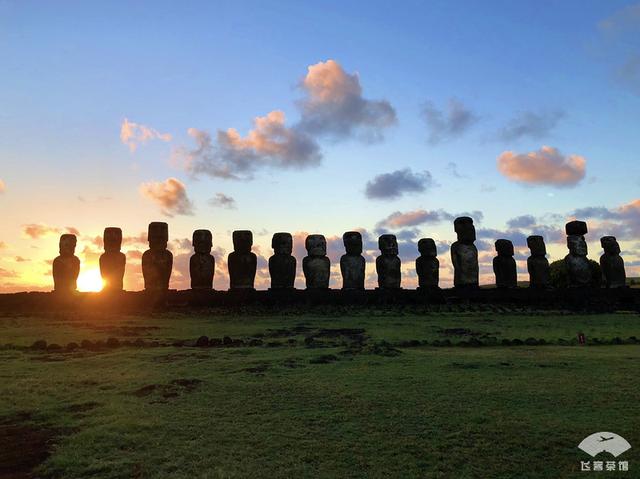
<point x="397" y="183"/>
<point x="535" y="125"/>
<point x="170" y="195"/>
<point x="37" y="230"/>
<point x="405" y="219"/>
<point x="223" y="201"/>
<point x="3" y="186"/>
<point x="134" y="134"/>
<point x="448" y="123"/>
<point x="546" y="166"/>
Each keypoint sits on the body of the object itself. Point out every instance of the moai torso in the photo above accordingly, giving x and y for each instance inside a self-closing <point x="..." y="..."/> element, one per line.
<point x="464" y="254"/>
<point x="112" y="261"/>
<point x="427" y="264"/>
<point x="157" y="261"/>
<point x="576" y="262"/>
<point x="612" y="264"/>
<point x="504" y="266"/>
<point x="538" y="264"/>
<point x="282" y="265"/>
<point x="352" y="264"/>
<point x="202" y="264"/>
<point x="316" y="266"/>
<point x="66" y="267"/>
<point x="242" y="262"/>
<point x="388" y="263"/>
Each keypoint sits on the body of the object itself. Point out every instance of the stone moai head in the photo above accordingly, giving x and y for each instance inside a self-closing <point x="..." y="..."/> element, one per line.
<point x="388" y="245"/>
<point x="536" y="245"/>
<point x="352" y="242"/>
<point x="610" y="245"/>
<point x="112" y="239"/>
<point x="202" y="241"/>
<point x="67" y="245"/>
<point x="577" y="245"/>
<point x="427" y="247"/>
<point x="158" y="235"/>
<point x="504" y="247"/>
<point x="465" y="230"/>
<point x="316" y="245"/>
<point x="282" y="243"/>
<point x="576" y="228"/>
<point x="242" y="241"/>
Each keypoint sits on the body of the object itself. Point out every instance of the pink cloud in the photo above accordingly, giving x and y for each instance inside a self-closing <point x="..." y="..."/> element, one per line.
<point x="546" y="166"/>
<point x="170" y="195"/>
<point x="134" y="134"/>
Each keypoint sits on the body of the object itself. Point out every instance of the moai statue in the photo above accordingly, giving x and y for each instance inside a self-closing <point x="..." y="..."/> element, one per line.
<point x="427" y="264"/>
<point x="282" y="265"/>
<point x="612" y="264"/>
<point x="576" y="262"/>
<point x="538" y="264"/>
<point x="504" y="266"/>
<point x="464" y="254"/>
<point x="112" y="261"/>
<point x="388" y="263"/>
<point x="242" y="262"/>
<point x="352" y="264"/>
<point x="157" y="261"/>
<point x="202" y="265"/>
<point x="66" y="267"/>
<point x="316" y="266"/>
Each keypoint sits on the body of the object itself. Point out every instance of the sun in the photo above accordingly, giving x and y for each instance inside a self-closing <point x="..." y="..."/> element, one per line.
<point x="90" y="280"/>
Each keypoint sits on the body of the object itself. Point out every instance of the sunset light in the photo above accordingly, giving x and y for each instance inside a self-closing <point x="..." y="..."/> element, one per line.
<point x="90" y="281"/>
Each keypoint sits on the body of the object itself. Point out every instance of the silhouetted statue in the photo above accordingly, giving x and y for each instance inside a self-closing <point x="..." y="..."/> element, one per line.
<point x="388" y="263"/>
<point x="112" y="261"/>
<point x="202" y="265"/>
<point x="504" y="266"/>
<point x="427" y="264"/>
<point x="316" y="266"/>
<point x="538" y="264"/>
<point x="464" y="254"/>
<point x="576" y="262"/>
<point x="282" y="265"/>
<point x="612" y="264"/>
<point x="66" y="267"/>
<point x="242" y="262"/>
<point x="157" y="261"/>
<point x="352" y="264"/>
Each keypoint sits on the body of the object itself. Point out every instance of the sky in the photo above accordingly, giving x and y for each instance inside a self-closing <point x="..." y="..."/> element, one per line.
<point x="315" y="117"/>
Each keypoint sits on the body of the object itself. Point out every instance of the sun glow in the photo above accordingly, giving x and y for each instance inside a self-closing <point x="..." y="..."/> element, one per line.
<point x="90" y="280"/>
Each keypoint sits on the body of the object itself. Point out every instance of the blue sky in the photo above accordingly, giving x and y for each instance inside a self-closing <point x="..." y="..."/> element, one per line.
<point x="74" y="71"/>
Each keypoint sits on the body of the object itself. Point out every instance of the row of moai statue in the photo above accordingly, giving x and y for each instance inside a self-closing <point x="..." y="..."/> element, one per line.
<point x="157" y="261"/>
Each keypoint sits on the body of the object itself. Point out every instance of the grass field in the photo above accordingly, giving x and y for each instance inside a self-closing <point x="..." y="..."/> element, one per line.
<point x="360" y="395"/>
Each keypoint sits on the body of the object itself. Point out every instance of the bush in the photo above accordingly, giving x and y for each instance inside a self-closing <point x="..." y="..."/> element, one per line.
<point x="560" y="277"/>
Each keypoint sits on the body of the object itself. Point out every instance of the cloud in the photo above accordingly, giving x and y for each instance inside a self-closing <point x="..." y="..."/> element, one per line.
<point x="622" y="221"/>
<point x="3" y="245"/>
<point x="397" y="183"/>
<point x="531" y="124"/>
<point x="3" y="186"/>
<point x="398" y="219"/>
<point x="624" y="19"/>
<point x="5" y="273"/>
<point x="523" y="221"/>
<point x="334" y="105"/>
<point x="20" y="259"/>
<point x="134" y="134"/>
<point x="170" y="195"/>
<point x="270" y="143"/>
<point x="450" y="124"/>
<point x="452" y="168"/>
<point x="223" y="201"/>
<point x="36" y="230"/>
<point x="546" y="166"/>
<point x="629" y="73"/>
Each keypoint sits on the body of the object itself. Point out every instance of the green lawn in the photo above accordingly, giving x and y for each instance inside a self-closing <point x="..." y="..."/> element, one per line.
<point x="305" y="399"/>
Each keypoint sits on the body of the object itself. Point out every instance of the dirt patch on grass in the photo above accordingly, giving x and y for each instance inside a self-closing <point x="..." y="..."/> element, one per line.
<point x="173" y="389"/>
<point x="258" y="369"/>
<point x="23" y="446"/>
<point x="81" y="407"/>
